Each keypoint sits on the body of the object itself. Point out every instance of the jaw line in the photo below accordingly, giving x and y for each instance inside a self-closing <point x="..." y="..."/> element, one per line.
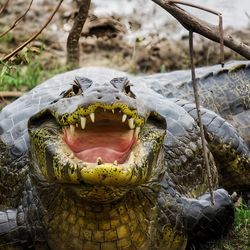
<point x="66" y="170"/>
<point x="107" y="175"/>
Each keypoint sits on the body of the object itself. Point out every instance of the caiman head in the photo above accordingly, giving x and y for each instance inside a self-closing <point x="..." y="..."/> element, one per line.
<point x="99" y="140"/>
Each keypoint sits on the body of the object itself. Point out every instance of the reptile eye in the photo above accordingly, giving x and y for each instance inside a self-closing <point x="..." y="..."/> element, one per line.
<point x="74" y="91"/>
<point x="128" y="91"/>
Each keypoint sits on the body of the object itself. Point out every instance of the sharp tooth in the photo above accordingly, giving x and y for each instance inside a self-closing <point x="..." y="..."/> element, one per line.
<point x="92" y="117"/>
<point x="124" y="117"/>
<point x="115" y="163"/>
<point x="131" y="123"/>
<point x="113" y="111"/>
<point x="99" y="161"/>
<point x="137" y="131"/>
<point x="83" y="122"/>
<point x="77" y="125"/>
<point x="72" y="129"/>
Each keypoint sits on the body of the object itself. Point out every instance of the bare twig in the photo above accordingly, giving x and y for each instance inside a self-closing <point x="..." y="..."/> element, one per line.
<point x="75" y="33"/>
<point x="201" y="27"/>
<point x="4" y="6"/>
<point x="195" y="6"/>
<point x="222" y="57"/>
<point x="17" y="21"/>
<point x="197" y="103"/>
<point x="4" y="94"/>
<point x="6" y="58"/>
<point x="212" y="12"/>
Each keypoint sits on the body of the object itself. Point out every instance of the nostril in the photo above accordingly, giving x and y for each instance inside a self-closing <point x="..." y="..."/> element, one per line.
<point x="99" y="97"/>
<point x="117" y="98"/>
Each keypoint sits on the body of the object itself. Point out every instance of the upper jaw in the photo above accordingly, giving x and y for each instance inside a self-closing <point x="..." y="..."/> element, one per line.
<point x="133" y="116"/>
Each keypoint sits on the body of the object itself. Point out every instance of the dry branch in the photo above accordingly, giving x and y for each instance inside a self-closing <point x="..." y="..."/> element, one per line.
<point x="17" y="21"/>
<point x="197" y="103"/>
<point x="199" y="26"/>
<point x="4" y="6"/>
<point x="75" y="33"/>
<point x="9" y="94"/>
<point x="33" y="37"/>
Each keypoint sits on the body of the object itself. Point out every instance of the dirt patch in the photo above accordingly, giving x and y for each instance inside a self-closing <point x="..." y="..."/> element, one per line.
<point x="104" y="41"/>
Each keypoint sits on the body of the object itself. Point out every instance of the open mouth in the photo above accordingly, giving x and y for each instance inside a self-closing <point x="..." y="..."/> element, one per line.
<point x="101" y="144"/>
<point x="105" y="136"/>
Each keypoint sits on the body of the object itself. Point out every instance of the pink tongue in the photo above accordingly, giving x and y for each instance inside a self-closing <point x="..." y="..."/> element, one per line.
<point x="110" y="145"/>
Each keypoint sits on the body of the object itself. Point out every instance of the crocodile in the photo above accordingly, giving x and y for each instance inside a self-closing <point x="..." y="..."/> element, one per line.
<point x="96" y="158"/>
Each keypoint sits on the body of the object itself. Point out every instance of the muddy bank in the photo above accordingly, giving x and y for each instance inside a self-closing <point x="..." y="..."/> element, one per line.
<point x="117" y="41"/>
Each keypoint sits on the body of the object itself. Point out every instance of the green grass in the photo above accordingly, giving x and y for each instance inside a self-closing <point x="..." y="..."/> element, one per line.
<point x="239" y="238"/>
<point x="242" y="219"/>
<point x="7" y="39"/>
<point x="20" y="77"/>
<point x="24" y="77"/>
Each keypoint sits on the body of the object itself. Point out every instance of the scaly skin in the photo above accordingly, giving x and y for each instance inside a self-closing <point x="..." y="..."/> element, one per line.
<point x="51" y="200"/>
<point x="225" y="91"/>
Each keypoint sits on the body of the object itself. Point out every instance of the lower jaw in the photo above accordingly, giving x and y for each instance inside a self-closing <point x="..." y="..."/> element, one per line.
<point x="94" y="193"/>
<point x="61" y="166"/>
<point x="57" y="165"/>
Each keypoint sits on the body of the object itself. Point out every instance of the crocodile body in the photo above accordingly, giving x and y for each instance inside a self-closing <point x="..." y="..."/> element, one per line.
<point x="57" y="193"/>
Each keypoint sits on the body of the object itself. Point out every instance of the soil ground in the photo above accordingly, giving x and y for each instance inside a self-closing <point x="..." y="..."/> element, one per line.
<point x="104" y="40"/>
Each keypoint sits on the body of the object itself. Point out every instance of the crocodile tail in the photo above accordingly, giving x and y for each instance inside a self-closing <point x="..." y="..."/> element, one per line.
<point x="205" y="222"/>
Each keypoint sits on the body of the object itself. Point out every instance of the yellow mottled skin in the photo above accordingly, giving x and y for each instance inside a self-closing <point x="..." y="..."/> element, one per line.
<point x="68" y="119"/>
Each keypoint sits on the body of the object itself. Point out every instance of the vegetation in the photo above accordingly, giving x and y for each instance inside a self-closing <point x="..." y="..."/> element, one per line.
<point x="25" y="72"/>
<point x="20" y="78"/>
<point x="239" y="238"/>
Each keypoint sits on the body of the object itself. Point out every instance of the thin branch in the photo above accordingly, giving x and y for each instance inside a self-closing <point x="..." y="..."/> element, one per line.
<point x="10" y="94"/>
<point x="33" y="37"/>
<point x="75" y="33"/>
<point x="212" y="12"/>
<point x="197" y="103"/>
<point x="196" y="6"/>
<point x="4" y="6"/>
<point x="222" y="56"/>
<point x="199" y="26"/>
<point x="17" y="21"/>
